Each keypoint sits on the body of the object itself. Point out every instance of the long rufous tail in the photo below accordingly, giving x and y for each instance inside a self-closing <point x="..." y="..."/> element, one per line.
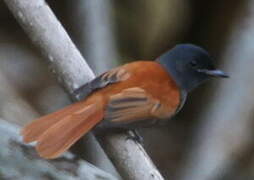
<point x="57" y="132"/>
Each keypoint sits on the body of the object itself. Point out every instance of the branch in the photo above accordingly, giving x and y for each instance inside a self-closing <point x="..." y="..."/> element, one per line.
<point x="47" y="33"/>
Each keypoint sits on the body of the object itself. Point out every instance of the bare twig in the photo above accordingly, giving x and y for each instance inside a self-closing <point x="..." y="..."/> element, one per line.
<point x="46" y="32"/>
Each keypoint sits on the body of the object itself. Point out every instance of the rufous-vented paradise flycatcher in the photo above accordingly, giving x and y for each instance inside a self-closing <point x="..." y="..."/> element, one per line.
<point x="135" y="94"/>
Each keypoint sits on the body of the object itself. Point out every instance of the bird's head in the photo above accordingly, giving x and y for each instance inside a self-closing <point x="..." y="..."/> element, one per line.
<point x="189" y="65"/>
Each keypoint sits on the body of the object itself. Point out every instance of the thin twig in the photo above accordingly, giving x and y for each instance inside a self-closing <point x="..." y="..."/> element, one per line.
<point x="43" y="28"/>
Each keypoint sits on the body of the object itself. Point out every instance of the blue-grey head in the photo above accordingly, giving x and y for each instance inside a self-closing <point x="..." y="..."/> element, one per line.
<point x="189" y="65"/>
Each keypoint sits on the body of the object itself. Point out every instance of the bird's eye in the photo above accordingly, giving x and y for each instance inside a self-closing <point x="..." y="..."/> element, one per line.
<point x="193" y="64"/>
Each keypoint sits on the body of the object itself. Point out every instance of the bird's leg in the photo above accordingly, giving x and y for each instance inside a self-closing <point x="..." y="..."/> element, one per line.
<point x="135" y="136"/>
<point x="132" y="134"/>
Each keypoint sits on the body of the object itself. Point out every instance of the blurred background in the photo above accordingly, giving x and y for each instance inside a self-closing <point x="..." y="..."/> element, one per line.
<point x="211" y="138"/>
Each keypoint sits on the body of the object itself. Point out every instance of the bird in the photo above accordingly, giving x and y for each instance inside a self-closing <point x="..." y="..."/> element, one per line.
<point x="137" y="94"/>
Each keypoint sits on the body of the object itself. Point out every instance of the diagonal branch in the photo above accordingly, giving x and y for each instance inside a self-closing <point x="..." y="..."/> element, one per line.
<point x="49" y="36"/>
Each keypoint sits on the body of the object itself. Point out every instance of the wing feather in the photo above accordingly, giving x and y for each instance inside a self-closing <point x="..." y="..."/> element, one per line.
<point x="132" y="104"/>
<point x="113" y="76"/>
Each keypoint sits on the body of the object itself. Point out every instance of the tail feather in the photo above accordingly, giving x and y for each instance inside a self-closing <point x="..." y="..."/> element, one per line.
<point x="57" y="132"/>
<point x="35" y="129"/>
<point x="62" y="135"/>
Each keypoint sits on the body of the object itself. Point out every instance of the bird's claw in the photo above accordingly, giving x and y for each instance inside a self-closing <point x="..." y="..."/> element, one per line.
<point x="135" y="136"/>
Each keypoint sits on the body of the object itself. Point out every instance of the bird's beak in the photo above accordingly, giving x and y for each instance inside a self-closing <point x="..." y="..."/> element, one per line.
<point x="215" y="73"/>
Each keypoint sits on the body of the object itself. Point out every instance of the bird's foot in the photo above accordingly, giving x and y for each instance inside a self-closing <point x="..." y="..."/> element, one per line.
<point x="135" y="136"/>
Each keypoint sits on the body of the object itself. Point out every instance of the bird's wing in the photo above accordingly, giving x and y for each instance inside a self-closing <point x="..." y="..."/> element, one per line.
<point x="132" y="105"/>
<point x="113" y="76"/>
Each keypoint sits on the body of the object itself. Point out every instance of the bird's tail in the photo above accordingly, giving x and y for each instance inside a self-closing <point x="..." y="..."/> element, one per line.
<point x="57" y="132"/>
